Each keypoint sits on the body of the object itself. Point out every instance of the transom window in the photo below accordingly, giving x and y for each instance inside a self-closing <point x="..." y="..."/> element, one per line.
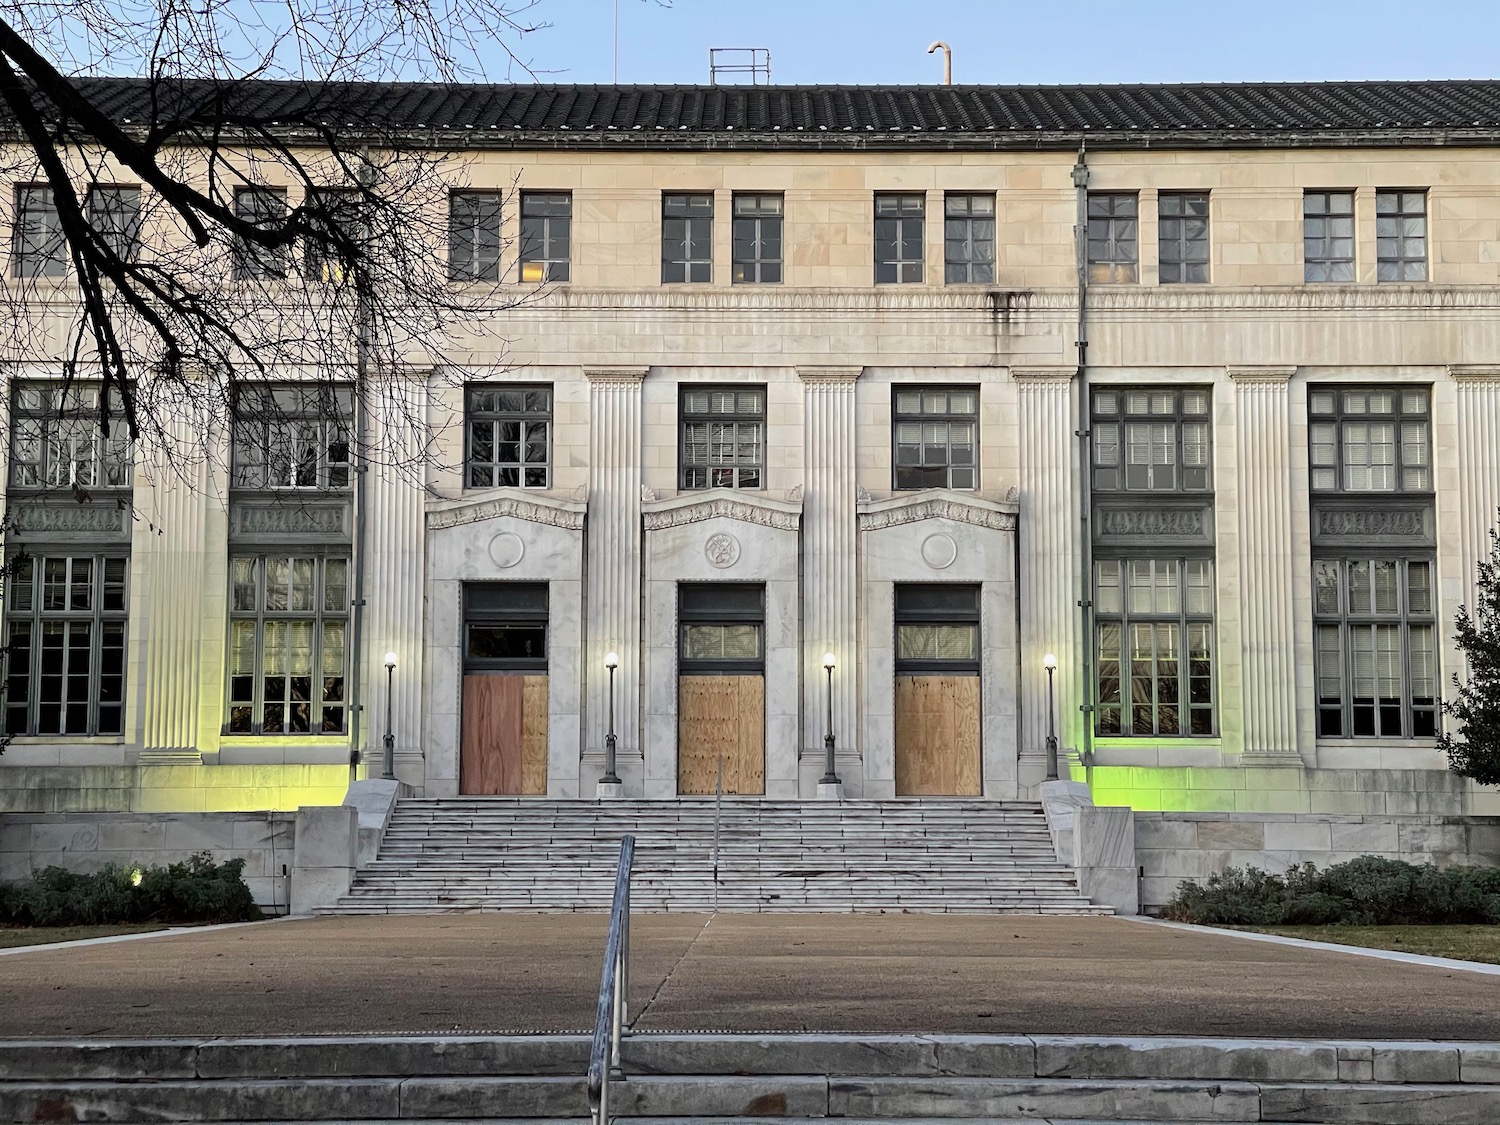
<point x="546" y="235"/>
<point x="509" y="436"/>
<point x="937" y="629"/>
<point x="474" y="236"/>
<point x="1369" y="440"/>
<point x="56" y="441"/>
<point x="723" y="437"/>
<point x="899" y="219"/>
<point x="1376" y="648"/>
<point x="37" y="246"/>
<point x="687" y="237"/>
<point x="1112" y="246"/>
<point x="1182" y="237"/>
<point x="262" y="207"/>
<point x="1155" y="646"/>
<point x="1152" y="440"/>
<point x="288" y="619"/>
<point x="936" y="434"/>
<point x="65" y="631"/>
<point x="969" y="239"/>
<point x="1328" y="236"/>
<point x="1400" y="235"/>
<point x="292" y="437"/>
<point x="756" y="238"/>
<point x="505" y="626"/>
<point x="721" y="628"/>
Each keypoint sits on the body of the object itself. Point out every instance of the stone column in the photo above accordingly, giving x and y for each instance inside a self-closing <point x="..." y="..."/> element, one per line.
<point x="612" y="585"/>
<point x="1267" y="601"/>
<point x="1049" y="533"/>
<point x="394" y="576"/>
<point x="830" y="599"/>
<point x="1478" y="491"/>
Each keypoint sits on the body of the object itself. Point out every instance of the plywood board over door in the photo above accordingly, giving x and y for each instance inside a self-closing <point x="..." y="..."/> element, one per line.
<point x="504" y="749"/>
<point x="937" y="736"/>
<point x="721" y="715"/>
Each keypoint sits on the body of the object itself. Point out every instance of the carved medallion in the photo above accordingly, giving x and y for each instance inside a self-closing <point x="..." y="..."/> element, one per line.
<point x="506" y="550"/>
<point x="722" y="550"/>
<point x="939" y="551"/>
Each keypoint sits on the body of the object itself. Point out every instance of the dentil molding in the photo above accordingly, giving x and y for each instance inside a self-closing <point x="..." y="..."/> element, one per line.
<point x="628" y="375"/>
<point x="835" y="375"/>
<point x="1260" y="374"/>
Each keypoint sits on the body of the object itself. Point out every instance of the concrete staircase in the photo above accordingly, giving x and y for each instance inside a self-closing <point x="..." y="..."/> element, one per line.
<point x="787" y="1079"/>
<point x="931" y="856"/>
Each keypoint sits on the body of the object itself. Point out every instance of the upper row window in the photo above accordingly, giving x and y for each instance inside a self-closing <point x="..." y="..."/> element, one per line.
<point x="38" y="247"/>
<point x="1362" y="440"/>
<point x="1152" y="440"/>
<point x="56" y="440"/>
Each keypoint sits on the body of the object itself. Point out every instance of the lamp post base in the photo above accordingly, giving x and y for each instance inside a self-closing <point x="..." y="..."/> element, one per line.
<point x="830" y="790"/>
<point x="609" y="790"/>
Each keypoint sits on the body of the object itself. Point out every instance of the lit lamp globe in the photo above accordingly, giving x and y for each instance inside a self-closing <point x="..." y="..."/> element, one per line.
<point x="828" y="661"/>
<point x="390" y="660"/>
<point x="611" y="660"/>
<point x="1049" y="662"/>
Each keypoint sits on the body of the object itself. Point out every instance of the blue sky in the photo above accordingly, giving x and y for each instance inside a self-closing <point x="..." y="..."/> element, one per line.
<point x="1027" y="41"/>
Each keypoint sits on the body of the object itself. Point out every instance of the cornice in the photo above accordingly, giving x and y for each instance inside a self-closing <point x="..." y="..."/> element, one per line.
<point x="721" y="503"/>
<point x="1269" y="374"/>
<point x="835" y="375"/>
<point x="629" y="375"/>
<point x="1043" y="374"/>
<point x="497" y="504"/>
<point x="938" y="503"/>
<point x="1474" y="372"/>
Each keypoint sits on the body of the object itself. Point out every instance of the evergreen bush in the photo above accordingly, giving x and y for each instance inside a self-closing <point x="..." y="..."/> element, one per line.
<point x="1368" y="891"/>
<point x="197" y="890"/>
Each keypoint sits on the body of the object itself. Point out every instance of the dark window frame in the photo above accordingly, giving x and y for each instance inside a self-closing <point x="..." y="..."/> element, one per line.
<point x="1180" y="252"/>
<point x="907" y="610"/>
<point x="293" y="426"/>
<point x="1114" y="232"/>
<point x="1324" y="260"/>
<point x="896" y="227"/>
<point x="685" y="209"/>
<point x="474" y="225"/>
<point x="517" y="605"/>
<point x="1110" y="429"/>
<point x="1404" y="464"/>
<point x="747" y="475"/>
<point x="42" y="424"/>
<point x="727" y="605"/>
<point x="965" y="242"/>
<point x="38" y="248"/>
<point x="948" y="418"/>
<point x="1416" y="717"/>
<point x="757" y="254"/>
<point x="546" y="237"/>
<point x="253" y="262"/>
<point x="1394" y="256"/>
<point x="529" y="473"/>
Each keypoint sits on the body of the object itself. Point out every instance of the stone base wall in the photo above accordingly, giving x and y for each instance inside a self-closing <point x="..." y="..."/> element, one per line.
<point x="89" y="841"/>
<point x="168" y="789"/>
<point x="1173" y="846"/>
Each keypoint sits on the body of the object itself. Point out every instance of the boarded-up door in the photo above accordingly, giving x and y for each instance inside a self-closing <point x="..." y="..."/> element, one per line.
<point x="937" y="736"/>
<point x="504" y="735"/>
<point x="721" y="715"/>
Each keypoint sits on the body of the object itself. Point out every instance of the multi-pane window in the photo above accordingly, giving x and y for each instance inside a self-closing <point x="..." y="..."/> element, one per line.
<point x="937" y="630"/>
<point x="288" y="618"/>
<point x="1155" y="646"/>
<point x="1182" y="236"/>
<point x="261" y="207"/>
<point x="969" y="238"/>
<point x="723" y="437"/>
<point x="721" y="628"/>
<point x="899" y="219"/>
<point x="1328" y="236"/>
<point x="505" y="626"/>
<point x="1400" y="235"/>
<point x="1376" y="644"/>
<point x="687" y="236"/>
<point x="1112" y="242"/>
<point x="37" y="247"/>
<point x="114" y="213"/>
<point x="546" y="235"/>
<point x="1369" y="440"/>
<point x="65" y="632"/>
<point x="56" y="441"/>
<point x="332" y="210"/>
<point x="756" y="251"/>
<point x="935" y="430"/>
<point x="509" y="432"/>
<point x="474" y="236"/>
<point x="292" y="437"/>
<point x="1156" y="440"/>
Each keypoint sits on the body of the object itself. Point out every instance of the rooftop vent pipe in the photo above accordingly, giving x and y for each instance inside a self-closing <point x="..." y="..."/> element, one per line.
<point x="947" y="60"/>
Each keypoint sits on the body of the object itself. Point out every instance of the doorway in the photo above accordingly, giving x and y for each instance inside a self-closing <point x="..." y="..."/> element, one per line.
<point x="937" y="691"/>
<point x="721" y="689"/>
<point x="503" y="748"/>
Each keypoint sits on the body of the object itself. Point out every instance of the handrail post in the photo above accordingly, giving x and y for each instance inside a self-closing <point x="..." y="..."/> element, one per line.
<point x="613" y="1010"/>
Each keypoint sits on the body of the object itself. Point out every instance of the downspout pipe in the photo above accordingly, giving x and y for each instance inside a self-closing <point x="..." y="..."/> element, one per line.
<point x="1085" y="492"/>
<point x="356" y="659"/>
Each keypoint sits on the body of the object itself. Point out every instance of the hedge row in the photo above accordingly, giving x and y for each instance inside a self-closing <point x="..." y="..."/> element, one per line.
<point x="1368" y="891"/>
<point x="196" y="891"/>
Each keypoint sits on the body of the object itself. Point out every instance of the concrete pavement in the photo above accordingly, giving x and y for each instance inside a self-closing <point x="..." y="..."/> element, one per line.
<point x="891" y="973"/>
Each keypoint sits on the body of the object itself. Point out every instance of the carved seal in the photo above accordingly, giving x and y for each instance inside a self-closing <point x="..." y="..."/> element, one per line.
<point x="939" y="551"/>
<point x="507" y="549"/>
<point x="722" y="550"/>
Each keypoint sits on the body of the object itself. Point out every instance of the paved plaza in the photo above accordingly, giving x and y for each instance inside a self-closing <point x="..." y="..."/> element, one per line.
<point x="899" y="973"/>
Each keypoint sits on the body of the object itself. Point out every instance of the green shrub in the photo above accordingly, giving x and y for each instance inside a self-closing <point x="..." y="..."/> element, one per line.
<point x="198" y="890"/>
<point x="1368" y="891"/>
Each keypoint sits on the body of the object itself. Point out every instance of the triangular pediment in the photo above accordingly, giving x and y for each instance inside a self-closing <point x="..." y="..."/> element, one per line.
<point x="499" y="503"/>
<point x="938" y="503"/>
<point x="722" y="503"/>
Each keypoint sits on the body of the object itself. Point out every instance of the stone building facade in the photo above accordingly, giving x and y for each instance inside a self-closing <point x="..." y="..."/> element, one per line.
<point x="804" y="377"/>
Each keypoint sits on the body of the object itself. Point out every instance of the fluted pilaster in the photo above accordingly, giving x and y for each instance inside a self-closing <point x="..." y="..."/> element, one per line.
<point x="613" y="586"/>
<point x="394" y="579"/>
<point x="829" y="597"/>
<point x="1049" y="532"/>
<point x="1478" y="467"/>
<point x="1263" y="489"/>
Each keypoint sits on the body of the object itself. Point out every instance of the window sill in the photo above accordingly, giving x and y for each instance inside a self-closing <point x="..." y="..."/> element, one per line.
<point x="1119" y="741"/>
<point x="319" y="740"/>
<point x="67" y="739"/>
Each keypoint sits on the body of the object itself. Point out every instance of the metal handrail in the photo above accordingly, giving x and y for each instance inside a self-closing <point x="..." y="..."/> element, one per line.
<point x="612" y="1013"/>
<point x="718" y="812"/>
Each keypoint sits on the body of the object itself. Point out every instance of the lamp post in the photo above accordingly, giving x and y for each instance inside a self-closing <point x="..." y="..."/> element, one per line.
<point x="1050" y="663"/>
<point x="390" y="737"/>
<point x="830" y="774"/>
<point x="611" y="661"/>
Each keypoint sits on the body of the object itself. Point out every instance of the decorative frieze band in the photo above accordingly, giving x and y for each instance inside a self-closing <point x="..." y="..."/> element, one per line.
<point x="1176" y="524"/>
<point x="615" y="374"/>
<point x="1399" y="523"/>
<point x="1261" y="374"/>
<point x="569" y="516"/>
<point x="829" y="374"/>
<point x="291" y="519"/>
<point x="761" y="515"/>
<point x="93" y="519"/>
<point x="942" y="509"/>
